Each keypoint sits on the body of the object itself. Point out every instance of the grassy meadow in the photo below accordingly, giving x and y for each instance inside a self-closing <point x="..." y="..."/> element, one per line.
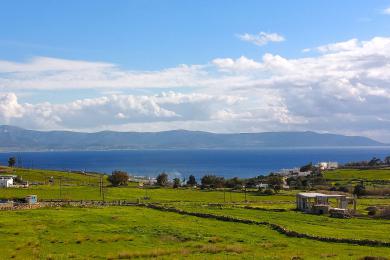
<point x="137" y="232"/>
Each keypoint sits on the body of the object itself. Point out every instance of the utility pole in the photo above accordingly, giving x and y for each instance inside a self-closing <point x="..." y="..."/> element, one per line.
<point x="101" y="186"/>
<point x="60" y="187"/>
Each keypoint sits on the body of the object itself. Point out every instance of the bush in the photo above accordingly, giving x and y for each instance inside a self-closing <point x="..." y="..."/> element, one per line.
<point x="212" y="181"/>
<point x="268" y="192"/>
<point x="372" y="210"/>
<point x="118" y="178"/>
<point x="235" y="183"/>
<point x="162" y="179"/>
<point x="275" y="182"/>
<point x="385" y="213"/>
<point x="176" y="183"/>
<point x="359" y="190"/>
<point x="191" y="181"/>
<point x="343" y="189"/>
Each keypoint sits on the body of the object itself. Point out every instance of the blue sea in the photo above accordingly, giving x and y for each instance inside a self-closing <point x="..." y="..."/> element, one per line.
<point x="181" y="163"/>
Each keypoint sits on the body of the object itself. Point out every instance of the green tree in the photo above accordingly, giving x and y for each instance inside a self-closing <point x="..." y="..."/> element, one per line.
<point x="234" y="183"/>
<point x="387" y="160"/>
<point x="375" y="161"/>
<point x="306" y="168"/>
<point x="212" y="181"/>
<point x="275" y="182"/>
<point x="11" y="161"/>
<point x="191" y="181"/>
<point x="162" y="179"/>
<point x="176" y="183"/>
<point x="359" y="190"/>
<point x="118" y="178"/>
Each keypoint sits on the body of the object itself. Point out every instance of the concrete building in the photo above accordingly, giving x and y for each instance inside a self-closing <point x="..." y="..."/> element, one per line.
<point x="7" y="181"/>
<point x="31" y="199"/>
<point x="328" y="165"/>
<point x="319" y="203"/>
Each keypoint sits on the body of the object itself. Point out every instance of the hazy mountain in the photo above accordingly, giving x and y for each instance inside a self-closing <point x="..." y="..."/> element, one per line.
<point x="18" y="139"/>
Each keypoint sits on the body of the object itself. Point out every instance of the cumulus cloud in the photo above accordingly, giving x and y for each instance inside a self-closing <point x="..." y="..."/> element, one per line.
<point x="241" y="64"/>
<point x="262" y="38"/>
<point x="343" y="88"/>
<point x="112" y="110"/>
<point x="387" y="11"/>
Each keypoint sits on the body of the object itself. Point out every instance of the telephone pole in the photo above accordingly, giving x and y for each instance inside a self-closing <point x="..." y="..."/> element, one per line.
<point x="60" y="187"/>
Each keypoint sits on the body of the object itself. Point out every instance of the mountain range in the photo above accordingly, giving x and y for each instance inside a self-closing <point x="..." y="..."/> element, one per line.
<point x="18" y="139"/>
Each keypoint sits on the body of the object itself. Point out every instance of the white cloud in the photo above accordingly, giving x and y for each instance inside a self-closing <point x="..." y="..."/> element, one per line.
<point x="240" y="64"/>
<point x="339" y="46"/>
<point x="344" y="88"/>
<point x="9" y="107"/>
<point x="386" y="11"/>
<point x="261" y="38"/>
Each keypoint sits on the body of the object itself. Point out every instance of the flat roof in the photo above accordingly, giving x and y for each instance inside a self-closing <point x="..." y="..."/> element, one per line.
<point x="316" y="194"/>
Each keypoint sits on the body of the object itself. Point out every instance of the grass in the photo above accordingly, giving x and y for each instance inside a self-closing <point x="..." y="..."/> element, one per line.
<point x="354" y="174"/>
<point x="133" y="232"/>
<point x="319" y="225"/>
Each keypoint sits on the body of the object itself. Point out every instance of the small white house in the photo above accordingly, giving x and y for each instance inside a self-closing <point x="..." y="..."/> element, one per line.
<point x="262" y="186"/>
<point x="328" y="165"/>
<point x="7" y="181"/>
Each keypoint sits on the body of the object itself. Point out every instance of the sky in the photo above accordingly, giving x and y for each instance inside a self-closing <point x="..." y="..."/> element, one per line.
<point x="217" y="66"/>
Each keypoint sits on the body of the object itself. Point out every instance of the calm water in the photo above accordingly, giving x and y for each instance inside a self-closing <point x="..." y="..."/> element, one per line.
<point x="227" y="163"/>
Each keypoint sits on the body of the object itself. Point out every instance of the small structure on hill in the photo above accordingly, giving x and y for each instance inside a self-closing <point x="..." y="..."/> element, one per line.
<point x="319" y="203"/>
<point x="7" y="181"/>
<point x="328" y="165"/>
<point x="31" y="199"/>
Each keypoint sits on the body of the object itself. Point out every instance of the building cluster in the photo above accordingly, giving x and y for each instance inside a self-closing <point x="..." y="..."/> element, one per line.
<point x="143" y="180"/>
<point x="8" y="181"/>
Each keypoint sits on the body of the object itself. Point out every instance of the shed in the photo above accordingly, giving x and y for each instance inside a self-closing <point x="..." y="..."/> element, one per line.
<point x="319" y="203"/>
<point x="31" y="199"/>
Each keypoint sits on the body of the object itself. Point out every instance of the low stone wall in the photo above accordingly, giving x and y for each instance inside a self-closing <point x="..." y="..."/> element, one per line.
<point x="22" y="206"/>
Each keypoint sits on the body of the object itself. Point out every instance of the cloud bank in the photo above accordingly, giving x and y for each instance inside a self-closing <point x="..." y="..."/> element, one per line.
<point x="343" y="87"/>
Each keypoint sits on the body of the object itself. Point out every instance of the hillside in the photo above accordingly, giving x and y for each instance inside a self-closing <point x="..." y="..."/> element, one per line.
<point x="19" y="139"/>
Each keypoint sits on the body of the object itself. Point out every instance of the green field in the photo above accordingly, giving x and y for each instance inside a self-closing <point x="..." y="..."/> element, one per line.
<point x="115" y="232"/>
<point x="352" y="174"/>
<point x="132" y="232"/>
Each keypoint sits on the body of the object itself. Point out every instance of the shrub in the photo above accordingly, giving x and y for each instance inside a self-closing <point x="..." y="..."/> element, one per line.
<point x="191" y="181"/>
<point x="385" y="213"/>
<point x="118" y="178"/>
<point x="212" y="181"/>
<point x="343" y="189"/>
<point x="176" y="183"/>
<point x="359" y="190"/>
<point x="268" y="192"/>
<point x="372" y="210"/>
<point x="275" y="182"/>
<point x="162" y="179"/>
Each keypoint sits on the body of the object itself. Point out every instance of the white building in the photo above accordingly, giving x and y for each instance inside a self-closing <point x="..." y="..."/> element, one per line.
<point x="7" y="181"/>
<point x="262" y="186"/>
<point x="328" y="165"/>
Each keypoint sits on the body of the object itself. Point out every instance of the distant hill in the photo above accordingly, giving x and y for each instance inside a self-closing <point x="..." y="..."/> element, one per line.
<point x="19" y="139"/>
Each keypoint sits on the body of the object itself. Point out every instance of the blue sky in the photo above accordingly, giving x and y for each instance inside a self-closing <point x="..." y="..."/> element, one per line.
<point x="221" y="66"/>
<point x="158" y="34"/>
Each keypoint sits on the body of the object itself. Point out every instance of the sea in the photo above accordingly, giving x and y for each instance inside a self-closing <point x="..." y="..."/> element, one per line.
<point x="182" y="163"/>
